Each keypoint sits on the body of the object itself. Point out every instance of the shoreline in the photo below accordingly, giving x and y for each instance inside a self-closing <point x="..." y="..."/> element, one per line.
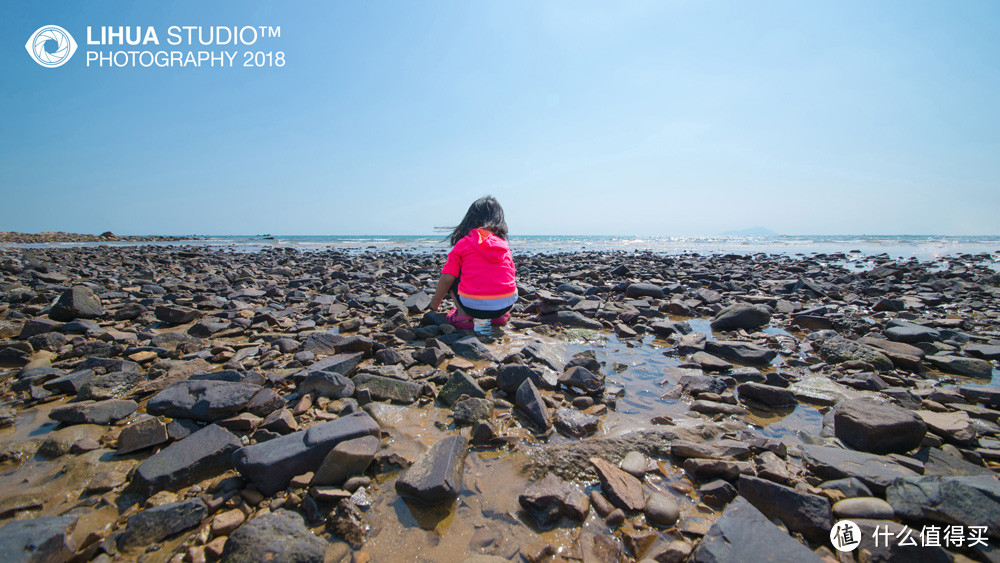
<point x="715" y="381"/>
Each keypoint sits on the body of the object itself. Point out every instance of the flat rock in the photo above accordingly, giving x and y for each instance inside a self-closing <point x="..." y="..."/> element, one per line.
<point x="880" y="428"/>
<point x="902" y="331"/>
<point x="768" y="395"/>
<point x="326" y="384"/>
<point x="742" y="352"/>
<point x="176" y="315"/>
<point x="954" y="427"/>
<point x="388" y="388"/>
<point x="875" y="471"/>
<point x="346" y="459"/>
<point x="468" y="347"/>
<point x="94" y="412"/>
<point x="800" y="512"/>
<point x="458" y="384"/>
<point x="155" y="524"/>
<point x="570" y="319"/>
<point x="743" y="534"/>
<point x="203" y="454"/>
<point x="142" y="434"/>
<point x="970" y="367"/>
<point x="741" y="315"/>
<point x="574" y="423"/>
<point x="549" y="499"/>
<point x="37" y="540"/>
<point x="202" y="400"/>
<point x="838" y="350"/>
<point x="277" y="537"/>
<point x="623" y="490"/>
<point x="968" y="501"/>
<point x="342" y="363"/>
<point x="436" y="476"/>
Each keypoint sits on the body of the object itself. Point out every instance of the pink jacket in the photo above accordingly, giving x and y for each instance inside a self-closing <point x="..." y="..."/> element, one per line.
<point x="483" y="262"/>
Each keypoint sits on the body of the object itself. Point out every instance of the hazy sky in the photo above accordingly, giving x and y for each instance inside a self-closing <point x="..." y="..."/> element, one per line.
<point x="683" y="117"/>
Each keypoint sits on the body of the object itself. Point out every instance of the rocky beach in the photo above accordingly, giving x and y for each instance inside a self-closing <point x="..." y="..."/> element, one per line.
<point x="190" y="403"/>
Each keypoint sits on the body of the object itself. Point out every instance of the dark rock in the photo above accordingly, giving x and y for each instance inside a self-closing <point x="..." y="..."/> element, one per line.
<point x="741" y="315"/>
<point x="110" y="386"/>
<point x="742" y="534"/>
<point x="513" y="375"/>
<point x="622" y="489"/>
<point x="142" y="434"/>
<point x="902" y="331"/>
<point x="581" y="379"/>
<point x="277" y="537"/>
<point x="343" y="363"/>
<point x="967" y="501"/>
<point x="574" y="423"/>
<point x="90" y="412"/>
<point x="863" y="507"/>
<point x="346" y="459"/>
<point x="742" y="352"/>
<point x="348" y="522"/>
<point x="983" y="351"/>
<point x="888" y="548"/>
<point x="971" y="367"/>
<point x="77" y="302"/>
<point x="388" y="388"/>
<point x="473" y="409"/>
<point x="37" y="540"/>
<point x="436" y="476"/>
<point x="326" y="384"/>
<point x="717" y="493"/>
<point x="530" y="401"/>
<point x="570" y="319"/>
<point x="468" y="347"/>
<point x="638" y="290"/>
<point x="838" y="350"/>
<point x="800" y="512"/>
<point x="202" y="400"/>
<point x="155" y="524"/>
<point x="321" y="343"/>
<point x="547" y="500"/>
<point x="271" y="465"/>
<point x="459" y="384"/>
<point x="881" y="428"/>
<point x="875" y="471"/>
<point x="850" y="487"/>
<point x="203" y="454"/>
<point x="175" y="314"/>
<point x="768" y="395"/>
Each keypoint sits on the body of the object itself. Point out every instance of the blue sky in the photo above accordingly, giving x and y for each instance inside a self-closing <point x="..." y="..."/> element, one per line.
<point x="649" y="118"/>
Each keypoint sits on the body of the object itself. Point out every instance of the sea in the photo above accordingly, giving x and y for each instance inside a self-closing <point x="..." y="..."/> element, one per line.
<point x="921" y="247"/>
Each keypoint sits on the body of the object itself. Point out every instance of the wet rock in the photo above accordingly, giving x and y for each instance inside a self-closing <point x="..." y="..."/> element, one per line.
<point x="271" y="465"/>
<point x="570" y="319"/>
<point x="722" y="449"/>
<point x="513" y="375"/>
<point x="77" y="302"/>
<point x="468" y="411"/>
<point x="863" y="507"/>
<point x="623" y="490"/>
<point x="709" y="469"/>
<point x="155" y="524"/>
<point x="768" y="395"/>
<point x="342" y="363"/>
<point x="968" y="501"/>
<point x="662" y="510"/>
<point x="436" y="476"/>
<point x="348" y="522"/>
<point x="581" y="379"/>
<point x="574" y="423"/>
<point x="142" y="434"/>
<point x="741" y="315"/>
<point x="468" y="347"/>
<point x="530" y="401"/>
<point x="326" y="384"/>
<point x="875" y="471"/>
<point x="742" y="533"/>
<point x="277" y="537"/>
<point x="742" y="352"/>
<point x="800" y="512"/>
<point x="91" y="412"/>
<point x="387" y="388"/>
<point x="203" y="454"/>
<point x="176" y="315"/>
<point x="346" y="459"/>
<point x="634" y="464"/>
<point x="547" y="500"/>
<point x="717" y="493"/>
<point x="226" y="522"/>
<point x="460" y="383"/>
<point x="880" y="428"/>
<point x="202" y="400"/>
<point x="971" y="367"/>
<point x="41" y="540"/>
<point x="838" y="350"/>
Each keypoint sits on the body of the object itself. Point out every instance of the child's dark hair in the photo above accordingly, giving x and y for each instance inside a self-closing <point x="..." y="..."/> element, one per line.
<point x="484" y="213"/>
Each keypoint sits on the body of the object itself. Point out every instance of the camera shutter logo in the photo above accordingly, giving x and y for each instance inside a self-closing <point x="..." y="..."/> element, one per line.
<point x="51" y="46"/>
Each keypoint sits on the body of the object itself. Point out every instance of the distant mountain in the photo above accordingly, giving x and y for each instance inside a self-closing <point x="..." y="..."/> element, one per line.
<point x="751" y="232"/>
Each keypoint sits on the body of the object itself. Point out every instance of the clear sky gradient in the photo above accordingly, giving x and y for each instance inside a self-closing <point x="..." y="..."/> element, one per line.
<point x="648" y="118"/>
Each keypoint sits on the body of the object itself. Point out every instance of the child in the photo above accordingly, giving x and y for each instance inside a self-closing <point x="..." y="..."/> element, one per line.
<point x="479" y="273"/>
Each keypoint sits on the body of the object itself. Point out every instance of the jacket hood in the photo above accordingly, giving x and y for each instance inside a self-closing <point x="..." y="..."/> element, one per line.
<point x="492" y="247"/>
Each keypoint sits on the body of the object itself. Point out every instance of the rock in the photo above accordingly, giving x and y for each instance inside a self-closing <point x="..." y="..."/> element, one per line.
<point x="326" y="384"/>
<point x="348" y="522"/>
<point x="970" y="367"/>
<point x="226" y="522"/>
<point x="472" y="410"/>
<point x="513" y="375"/>
<point x="710" y="363"/>
<point x="694" y="383"/>
<point x="635" y="464"/>
<point x="850" y="487"/>
<point x="722" y="449"/>
<point x="530" y="401"/>
<point x="622" y="489"/>
<point x="741" y="315"/>
<point x="838" y="350"/>
<point x="468" y="347"/>
<point x="388" y="388"/>
<point x="277" y="537"/>
<point x="203" y="454"/>
<point x="436" y="476"/>
<point x="570" y="319"/>
<point x="989" y="396"/>
<point x="875" y="471"/>
<point x="37" y="540"/>
<point x="800" y="512"/>
<point x="983" y="351"/>
<point x="111" y="386"/>
<point x="155" y="524"/>
<point x="321" y="343"/>
<point x="460" y="384"/>
<point x="176" y="315"/>
<point x="142" y="434"/>
<point x="639" y="290"/>
<point x="343" y="363"/>
<point x="709" y="469"/>
<point x="742" y="352"/>
<point x="863" y="507"/>
<point x="202" y="400"/>
<point x="574" y="423"/>
<point x="91" y="412"/>
<point x="662" y="510"/>
<point x="768" y="395"/>
<point x="717" y="493"/>
<point x="346" y="459"/>
<point x="742" y="534"/>
<point x="880" y="428"/>
<point x="954" y="427"/>
<point x="77" y="302"/>
<point x="581" y="379"/>
<point x="967" y="501"/>
<point x="902" y="331"/>
<point x="888" y="545"/>
<point x="271" y="465"/>
<point x="547" y="500"/>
